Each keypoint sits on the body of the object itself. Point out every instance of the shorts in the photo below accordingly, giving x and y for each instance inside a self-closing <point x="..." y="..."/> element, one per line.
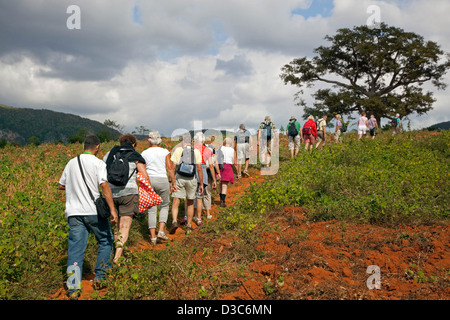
<point x="336" y="135"/>
<point x="362" y="129"/>
<point x="294" y="142"/>
<point x="320" y="136"/>
<point x="242" y="152"/>
<point x="186" y="187"/>
<point x="309" y="138"/>
<point x="127" y="205"/>
<point x="200" y="195"/>
<point x="372" y="132"/>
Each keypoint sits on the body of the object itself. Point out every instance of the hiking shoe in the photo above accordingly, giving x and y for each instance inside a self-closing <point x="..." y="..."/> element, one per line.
<point x="162" y="236"/>
<point x="246" y="173"/>
<point x="197" y="221"/>
<point x="173" y="228"/>
<point x="222" y="204"/>
<point x="189" y="229"/>
<point x="183" y="221"/>
<point x="209" y="216"/>
<point x="153" y="241"/>
<point x="74" y="294"/>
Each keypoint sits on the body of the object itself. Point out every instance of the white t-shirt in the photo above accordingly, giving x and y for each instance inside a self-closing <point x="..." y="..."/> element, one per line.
<point x="155" y="160"/>
<point x="362" y="122"/>
<point x="78" y="201"/>
<point x="228" y="155"/>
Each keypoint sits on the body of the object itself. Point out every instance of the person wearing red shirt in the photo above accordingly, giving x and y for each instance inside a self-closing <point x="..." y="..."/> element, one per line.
<point x="309" y="132"/>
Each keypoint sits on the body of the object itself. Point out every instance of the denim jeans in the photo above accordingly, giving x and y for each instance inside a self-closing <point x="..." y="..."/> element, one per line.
<point x="79" y="229"/>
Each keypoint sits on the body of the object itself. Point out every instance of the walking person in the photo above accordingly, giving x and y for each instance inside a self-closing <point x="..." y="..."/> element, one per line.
<point x="321" y="132"/>
<point x="213" y="175"/>
<point x="159" y="166"/>
<point x="186" y="161"/>
<point x="396" y="124"/>
<point x="207" y="163"/>
<point x="309" y="132"/>
<point x="243" y="144"/>
<point x="372" y="125"/>
<point x="293" y="130"/>
<point x="363" y="124"/>
<point x="125" y="195"/>
<point x="227" y="158"/>
<point x="337" y="130"/>
<point x="267" y="138"/>
<point x="81" y="213"/>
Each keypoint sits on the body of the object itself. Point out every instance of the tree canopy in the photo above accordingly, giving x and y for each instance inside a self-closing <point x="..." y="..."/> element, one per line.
<point x="377" y="70"/>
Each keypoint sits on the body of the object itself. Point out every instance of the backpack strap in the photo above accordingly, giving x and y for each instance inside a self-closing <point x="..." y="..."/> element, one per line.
<point x="84" y="179"/>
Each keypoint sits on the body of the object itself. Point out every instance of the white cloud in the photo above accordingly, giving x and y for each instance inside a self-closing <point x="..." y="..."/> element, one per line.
<point x="215" y="61"/>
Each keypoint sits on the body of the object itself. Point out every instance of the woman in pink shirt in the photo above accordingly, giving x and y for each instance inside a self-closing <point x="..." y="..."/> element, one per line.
<point x="363" y="123"/>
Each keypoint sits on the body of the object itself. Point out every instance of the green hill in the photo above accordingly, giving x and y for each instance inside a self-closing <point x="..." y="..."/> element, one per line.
<point x="440" y="126"/>
<point x="18" y="125"/>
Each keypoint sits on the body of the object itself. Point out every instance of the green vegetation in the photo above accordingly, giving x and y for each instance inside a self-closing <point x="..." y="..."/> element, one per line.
<point x="383" y="181"/>
<point x="32" y="126"/>
<point x="387" y="180"/>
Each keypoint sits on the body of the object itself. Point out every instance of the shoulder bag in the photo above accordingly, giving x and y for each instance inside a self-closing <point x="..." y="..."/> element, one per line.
<point x="103" y="211"/>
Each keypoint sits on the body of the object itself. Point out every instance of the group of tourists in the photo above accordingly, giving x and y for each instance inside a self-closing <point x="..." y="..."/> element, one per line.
<point x="314" y="132"/>
<point x="190" y="172"/>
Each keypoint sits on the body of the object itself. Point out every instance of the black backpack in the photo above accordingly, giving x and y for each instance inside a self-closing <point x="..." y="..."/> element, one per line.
<point x="394" y="123"/>
<point x="118" y="170"/>
<point x="343" y="128"/>
<point x="292" y="129"/>
<point x="186" y="167"/>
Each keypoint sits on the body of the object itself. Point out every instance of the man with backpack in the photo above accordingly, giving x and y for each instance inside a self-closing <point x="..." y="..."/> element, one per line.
<point x="396" y="124"/>
<point x="293" y="130"/>
<point x="122" y="164"/>
<point x="267" y="137"/>
<point x="340" y="128"/>
<point x="186" y="162"/>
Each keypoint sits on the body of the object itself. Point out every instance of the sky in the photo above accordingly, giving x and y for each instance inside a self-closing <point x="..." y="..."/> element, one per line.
<point x="185" y="64"/>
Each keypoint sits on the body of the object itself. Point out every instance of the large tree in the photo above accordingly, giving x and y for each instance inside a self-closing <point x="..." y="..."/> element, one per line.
<point x="377" y="70"/>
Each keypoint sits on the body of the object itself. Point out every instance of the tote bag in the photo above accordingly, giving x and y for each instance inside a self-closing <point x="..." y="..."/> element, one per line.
<point x="147" y="196"/>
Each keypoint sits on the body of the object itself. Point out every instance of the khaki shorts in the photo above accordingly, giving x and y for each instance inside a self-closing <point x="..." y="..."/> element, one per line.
<point x="242" y="152"/>
<point x="127" y="205"/>
<point x="294" y="142"/>
<point x="320" y="136"/>
<point x="186" y="187"/>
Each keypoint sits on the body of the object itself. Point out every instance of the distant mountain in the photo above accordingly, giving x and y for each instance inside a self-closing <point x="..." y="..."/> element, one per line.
<point x="440" y="126"/>
<point x="18" y="125"/>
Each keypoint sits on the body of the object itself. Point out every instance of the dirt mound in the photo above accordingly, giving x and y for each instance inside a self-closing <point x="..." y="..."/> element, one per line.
<point x="329" y="260"/>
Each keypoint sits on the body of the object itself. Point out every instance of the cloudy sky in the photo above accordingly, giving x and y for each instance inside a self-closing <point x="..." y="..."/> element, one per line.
<point x="167" y="64"/>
